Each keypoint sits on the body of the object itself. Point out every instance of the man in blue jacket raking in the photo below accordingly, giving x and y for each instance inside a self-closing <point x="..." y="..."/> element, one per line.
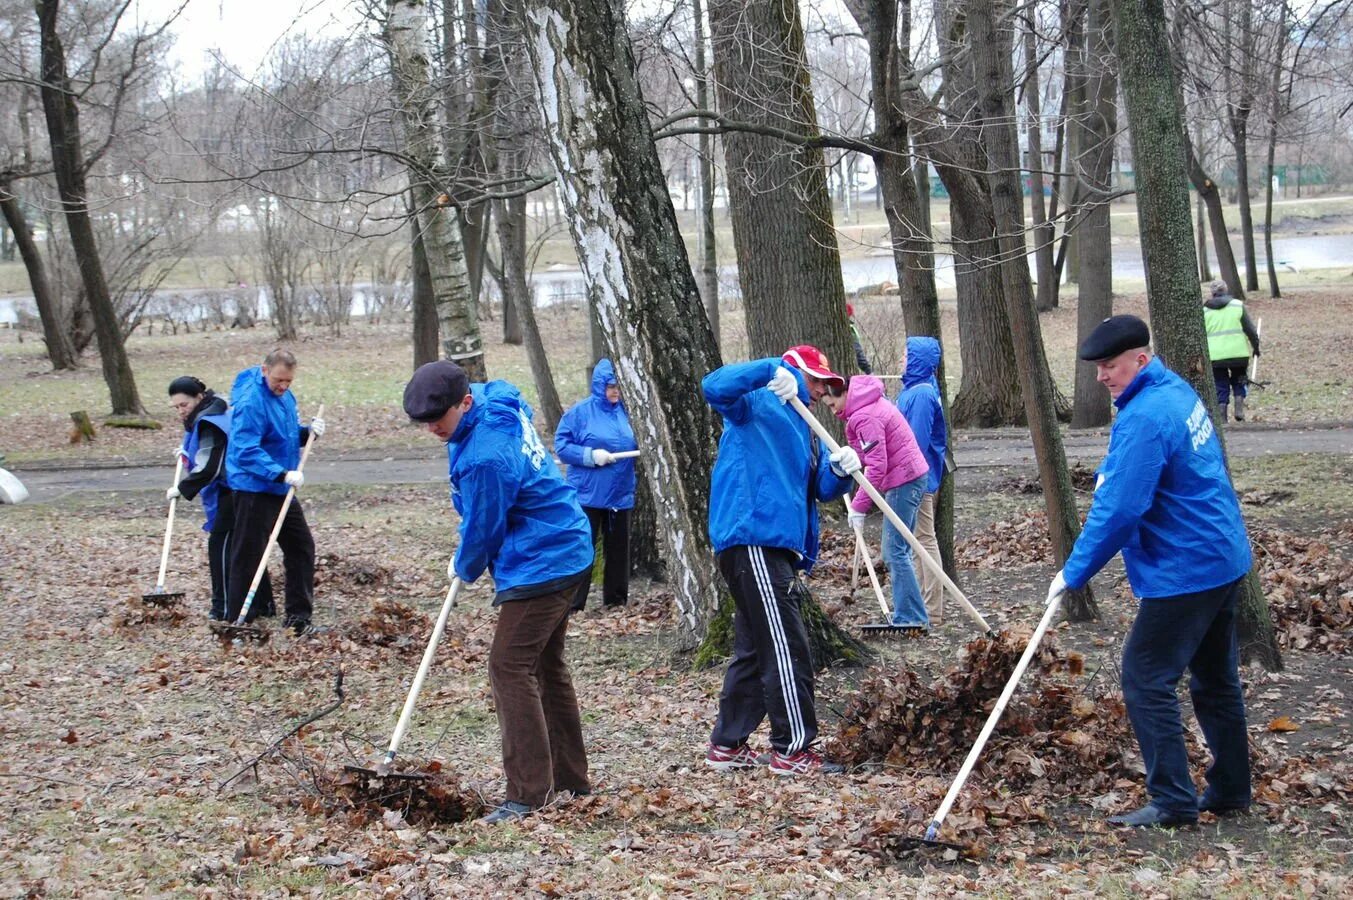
<point x="766" y="484"/>
<point x="261" y="466"/>
<point x="1164" y="498"/>
<point x="587" y="439"/>
<point x="520" y="521"/>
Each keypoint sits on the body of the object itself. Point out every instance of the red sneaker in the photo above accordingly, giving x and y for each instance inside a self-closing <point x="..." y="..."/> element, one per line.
<point x="805" y="762"/>
<point x="726" y="759"/>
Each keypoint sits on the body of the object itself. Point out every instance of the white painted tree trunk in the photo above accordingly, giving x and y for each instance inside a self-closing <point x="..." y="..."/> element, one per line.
<point x="405" y="36"/>
<point x="637" y="272"/>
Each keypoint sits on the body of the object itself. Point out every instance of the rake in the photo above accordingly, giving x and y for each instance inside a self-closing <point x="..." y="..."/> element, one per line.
<point x="159" y="596"/>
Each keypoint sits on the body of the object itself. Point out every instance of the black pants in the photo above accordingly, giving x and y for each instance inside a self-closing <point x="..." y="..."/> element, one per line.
<point x="772" y="668"/>
<point x="610" y="527"/>
<point x="255" y="515"/>
<point x="218" y="560"/>
<point x="1231" y="376"/>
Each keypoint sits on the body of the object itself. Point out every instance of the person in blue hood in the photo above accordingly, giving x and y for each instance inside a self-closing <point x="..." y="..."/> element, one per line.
<point x="206" y="431"/>
<point x="767" y="481"/>
<point x="919" y="401"/>
<point x="520" y="521"/>
<point x="1164" y="498"/>
<point x="588" y="437"/>
<point x="261" y="467"/>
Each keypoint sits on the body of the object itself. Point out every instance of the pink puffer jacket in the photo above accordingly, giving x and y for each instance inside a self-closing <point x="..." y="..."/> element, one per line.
<point x="894" y="459"/>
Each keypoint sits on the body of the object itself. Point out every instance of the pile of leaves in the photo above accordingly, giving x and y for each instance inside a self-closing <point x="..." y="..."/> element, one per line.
<point x="390" y="623"/>
<point x="432" y="797"/>
<point x="1309" y="587"/>
<point x="136" y="613"/>
<point x="1082" y="479"/>
<point x="1051" y="729"/>
<point x="347" y="573"/>
<point x="1021" y="541"/>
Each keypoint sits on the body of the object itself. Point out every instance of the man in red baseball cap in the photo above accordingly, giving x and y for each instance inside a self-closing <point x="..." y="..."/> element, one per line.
<point x="767" y="482"/>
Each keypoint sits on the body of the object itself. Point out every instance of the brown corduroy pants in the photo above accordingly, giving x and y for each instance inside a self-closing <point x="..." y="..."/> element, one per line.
<point x="533" y="693"/>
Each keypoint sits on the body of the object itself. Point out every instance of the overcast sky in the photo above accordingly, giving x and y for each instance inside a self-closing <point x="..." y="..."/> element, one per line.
<point x="243" y="31"/>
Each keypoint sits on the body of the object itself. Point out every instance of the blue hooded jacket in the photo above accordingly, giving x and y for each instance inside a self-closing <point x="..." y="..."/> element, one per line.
<point x="518" y="517"/>
<point x="1163" y="496"/>
<point x="192" y="440"/>
<point x="765" y="488"/>
<point x="920" y="404"/>
<point x="265" y="435"/>
<point x="598" y="423"/>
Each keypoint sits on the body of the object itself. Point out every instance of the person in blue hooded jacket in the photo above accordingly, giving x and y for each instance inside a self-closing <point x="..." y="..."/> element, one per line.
<point x="520" y="521"/>
<point x="767" y="482"/>
<point x="588" y="437"/>
<point x="206" y="432"/>
<point x="919" y="401"/>
<point x="262" y="457"/>
<point x="1164" y="498"/>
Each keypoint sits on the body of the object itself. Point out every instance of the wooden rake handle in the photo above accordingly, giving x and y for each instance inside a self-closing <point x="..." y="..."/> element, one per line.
<point x="276" y="528"/>
<point x="935" y="568"/>
<point x="169" y="526"/>
<point x="414" y="689"/>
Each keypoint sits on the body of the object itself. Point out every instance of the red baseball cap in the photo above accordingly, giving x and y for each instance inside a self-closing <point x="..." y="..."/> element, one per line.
<point x="812" y="361"/>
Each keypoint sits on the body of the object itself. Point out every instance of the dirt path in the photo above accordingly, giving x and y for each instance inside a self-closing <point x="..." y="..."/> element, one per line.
<point x="974" y="449"/>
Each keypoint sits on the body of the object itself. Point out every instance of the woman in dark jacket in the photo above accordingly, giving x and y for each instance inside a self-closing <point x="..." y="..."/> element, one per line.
<point x="206" y="427"/>
<point x="588" y="437"/>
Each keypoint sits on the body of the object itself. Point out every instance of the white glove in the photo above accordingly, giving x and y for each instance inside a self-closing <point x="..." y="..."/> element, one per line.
<point x="602" y="457"/>
<point x="172" y="493"/>
<point x="451" y="569"/>
<point x="317" y="427"/>
<point x="1058" y="586"/>
<point x="294" y="479"/>
<point x="784" y="385"/>
<point x="855" y="519"/>
<point x="845" y="461"/>
<point x="178" y="453"/>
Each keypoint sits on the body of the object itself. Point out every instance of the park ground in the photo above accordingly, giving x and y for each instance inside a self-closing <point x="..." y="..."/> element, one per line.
<point x="141" y="750"/>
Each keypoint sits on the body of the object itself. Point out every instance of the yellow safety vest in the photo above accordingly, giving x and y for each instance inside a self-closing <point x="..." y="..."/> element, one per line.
<point x="1225" y="338"/>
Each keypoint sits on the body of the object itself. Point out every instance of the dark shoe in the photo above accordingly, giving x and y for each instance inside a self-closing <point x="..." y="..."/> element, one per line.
<point x="298" y="626"/>
<point x="805" y="762"/>
<point x="1151" y="816"/>
<point x="510" y="811"/>
<point x="1224" y="810"/>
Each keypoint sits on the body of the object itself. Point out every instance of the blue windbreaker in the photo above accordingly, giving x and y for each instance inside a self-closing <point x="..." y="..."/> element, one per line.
<point x="764" y="489"/>
<point x="191" y="441"/>
<point x="1163" y="496"/>
<point x="598" y="423"/>
<point x="517" y="515"/>
<point x="920" y="404"/>
<point x="264" y="435"/>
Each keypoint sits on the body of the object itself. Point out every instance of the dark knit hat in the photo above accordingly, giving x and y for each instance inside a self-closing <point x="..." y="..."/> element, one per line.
<point x="187" y="384"/>
<point x="1115" y="335"/>
<point x="433" y="389"/>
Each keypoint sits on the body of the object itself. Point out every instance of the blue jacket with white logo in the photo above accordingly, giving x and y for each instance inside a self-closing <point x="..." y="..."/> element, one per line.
<point x="215" y="426"/>
<point x="1163" y="496"/>
<point x="518" y="517"/>
<point x="920" y="404"/>
<point x="765" y="486"/>
<point x="265" y="435"/>
<point x="598" y="423"/>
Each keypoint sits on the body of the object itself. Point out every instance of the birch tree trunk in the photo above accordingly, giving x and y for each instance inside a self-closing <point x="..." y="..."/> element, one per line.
<point x="635" y="266"/>
<point x="1043" y="230"/>
<point x="415" y="99"/>
<point x="59" y="103"/>
<point x="991" y="48"/>
<point x="1160" y="156"/>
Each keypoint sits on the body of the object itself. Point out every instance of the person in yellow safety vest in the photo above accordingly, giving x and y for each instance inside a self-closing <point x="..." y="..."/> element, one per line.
<point x="1231" y="338"/>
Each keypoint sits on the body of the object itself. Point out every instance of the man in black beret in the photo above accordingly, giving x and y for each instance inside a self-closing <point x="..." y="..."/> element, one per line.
<point x="1164" y="498"/>
<point x="521" y="522"/>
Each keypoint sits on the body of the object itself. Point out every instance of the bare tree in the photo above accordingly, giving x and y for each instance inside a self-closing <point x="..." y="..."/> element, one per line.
<point x="636" y="269"/>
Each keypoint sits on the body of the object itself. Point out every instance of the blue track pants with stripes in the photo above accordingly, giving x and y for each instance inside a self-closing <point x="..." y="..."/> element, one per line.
<point x="771" y="673"/>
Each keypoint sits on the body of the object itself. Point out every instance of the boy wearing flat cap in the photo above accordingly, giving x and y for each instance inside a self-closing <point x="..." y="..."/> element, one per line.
<point x="520" y="520"/>
<point x="1164" y="498"/>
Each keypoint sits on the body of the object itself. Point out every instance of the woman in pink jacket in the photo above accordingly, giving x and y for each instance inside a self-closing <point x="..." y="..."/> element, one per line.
<point x="895" y="465"/>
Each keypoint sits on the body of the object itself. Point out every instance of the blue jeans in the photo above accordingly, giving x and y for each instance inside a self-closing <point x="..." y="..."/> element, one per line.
<point x="908" y="604"/>
<point x="1197" y="632"/>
